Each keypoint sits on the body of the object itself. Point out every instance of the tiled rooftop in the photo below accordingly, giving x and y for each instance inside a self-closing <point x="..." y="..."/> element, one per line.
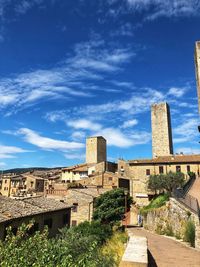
<point x="168" y="159"/>
<point x="15" y="208"/>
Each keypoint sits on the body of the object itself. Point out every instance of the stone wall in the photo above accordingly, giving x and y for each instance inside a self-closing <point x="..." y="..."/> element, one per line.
<point x="171" y="220"/>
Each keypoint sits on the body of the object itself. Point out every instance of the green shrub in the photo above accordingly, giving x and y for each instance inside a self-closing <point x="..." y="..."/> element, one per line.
<point x="189" y="234"/>
<point x="155" y="203"/>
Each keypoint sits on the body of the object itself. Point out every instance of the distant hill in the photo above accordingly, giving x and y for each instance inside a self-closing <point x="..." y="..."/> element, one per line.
<point x="23" y="170"/>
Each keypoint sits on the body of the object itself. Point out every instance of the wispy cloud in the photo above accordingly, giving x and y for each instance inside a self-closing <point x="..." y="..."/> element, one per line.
<point x="7" y="152"/>
<point x="84" y="124"/>
<point x="187" y="131"/>
<point x="46" y="143"/>
<point x="90" y="62"/>
<point x="129" y="123"/>
<point x="168" y="8"/>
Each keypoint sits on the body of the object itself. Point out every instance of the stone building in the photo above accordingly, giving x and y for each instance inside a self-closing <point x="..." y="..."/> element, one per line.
<point x="197" y="67"/>
<point x="82" y="201"/>
<point x="95" y="149"/>
<point x="140" y="170"/>
<point x="80" y="172"/>
<point x="23" y="184"/>
<point x="49" y="212"/>
<point x="161" y="130"/>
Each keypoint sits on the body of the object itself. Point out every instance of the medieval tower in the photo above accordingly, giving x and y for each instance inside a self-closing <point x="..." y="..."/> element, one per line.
<point x="197" y="66"/>
<point x="161" y="130"/>
<point x="95" y="149"/>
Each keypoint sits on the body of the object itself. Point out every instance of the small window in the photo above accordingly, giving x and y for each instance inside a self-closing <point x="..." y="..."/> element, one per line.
<point x="75" y="207"/>
<point x="48" y="222"/>
<point x="178" y="168"/>
<point x="5" y="181"/>
<point x="148" y="172"/>
<point x="31" y="184"/>
<point x="161" y="169"/>
<point x="110" y="178"/>
<point x="188" y="168"/>
<point x="74" y="223"/>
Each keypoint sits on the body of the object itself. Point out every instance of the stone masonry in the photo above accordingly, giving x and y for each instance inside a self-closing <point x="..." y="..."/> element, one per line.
<point x="161" y="130"/>
<point x="197" y="67"/>
<point x="95" y="149"/>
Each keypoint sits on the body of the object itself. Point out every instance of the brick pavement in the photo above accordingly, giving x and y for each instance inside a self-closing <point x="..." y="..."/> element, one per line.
<point x="166" y="252"/>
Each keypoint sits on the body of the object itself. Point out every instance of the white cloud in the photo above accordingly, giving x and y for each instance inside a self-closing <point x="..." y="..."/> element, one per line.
<point x="74" y="77"/>
<point x="129" y="123"/>
<point x="117" y="138"/>
<point x="167" y="8"/>
<point x="177" y="91"/>
<point x="74" y="156"/>
<point x="186" y="131"/>
<point x="7" y="152"/>
<point x="46" y="143"/>
<point x="84" y="124"/>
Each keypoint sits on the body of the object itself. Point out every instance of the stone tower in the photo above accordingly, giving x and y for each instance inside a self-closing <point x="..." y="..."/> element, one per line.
<point x="95" y="149"/>
<point x="161" y="130"/>
<point x="197" y="67"/>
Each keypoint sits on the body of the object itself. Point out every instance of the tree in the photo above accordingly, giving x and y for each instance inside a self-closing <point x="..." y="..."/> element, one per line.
<point x="109" y="208"/>
<point x="172" y="180"/>
<point x="155" y="183"/>
<point x="166" y="182"/>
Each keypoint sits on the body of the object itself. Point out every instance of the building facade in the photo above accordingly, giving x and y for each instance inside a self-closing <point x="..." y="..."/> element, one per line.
<point x="161" y="130"/>
<point x="197" y="67"/>
<point x="45" y="212"/>
<point x="95" y="149"/>
<point x="139" y="172"/>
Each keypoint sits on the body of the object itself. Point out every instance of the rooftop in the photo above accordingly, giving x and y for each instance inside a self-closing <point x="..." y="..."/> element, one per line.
<point x="167" y="159"/>
<point x="16" y="208"/>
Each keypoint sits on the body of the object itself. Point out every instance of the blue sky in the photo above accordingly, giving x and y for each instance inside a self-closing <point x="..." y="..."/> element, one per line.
<point x="77" y="68"/>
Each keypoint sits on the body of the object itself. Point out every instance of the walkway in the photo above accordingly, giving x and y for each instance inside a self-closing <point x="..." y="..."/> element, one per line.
<point x="166" y="252"/>
<point x="195" y="189"/>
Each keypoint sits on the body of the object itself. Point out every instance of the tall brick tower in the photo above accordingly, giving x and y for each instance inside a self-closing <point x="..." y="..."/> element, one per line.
<point x="197" y="67"/>
<point x="161" y="130"/>
<point x="95" y="149"/>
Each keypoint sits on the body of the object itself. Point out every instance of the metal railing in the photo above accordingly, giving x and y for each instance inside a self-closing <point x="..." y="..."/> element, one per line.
<point x="189" y="201"/>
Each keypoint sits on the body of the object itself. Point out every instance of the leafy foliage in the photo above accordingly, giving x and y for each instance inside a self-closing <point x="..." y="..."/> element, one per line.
<point x="167" y="182"/>
<point x="189" y="234"/>
<point x="155" y="203"/>
<point x="109" y="208"/>
<point x="79" y="246"/>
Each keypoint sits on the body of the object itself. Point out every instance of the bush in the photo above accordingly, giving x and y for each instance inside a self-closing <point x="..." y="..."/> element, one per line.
<point x="155" y="203"/>
<point x="189" y="234"/>
<point x="79" y="246"/>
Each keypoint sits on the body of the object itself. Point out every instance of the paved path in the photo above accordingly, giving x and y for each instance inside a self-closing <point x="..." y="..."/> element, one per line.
<point x="166" y="252"/>
<point x="195" y="189"/>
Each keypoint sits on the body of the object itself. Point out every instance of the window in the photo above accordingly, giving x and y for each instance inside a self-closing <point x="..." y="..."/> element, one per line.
<point x="31" y="184"/>
<point x="74" y="223"/>
<point x="161" y="170"/>
<point x="66" y="219"/>
<point x="75" y="207"/>
<point x="188" y="168"/>
<point x="48" y="222"/>
<point x="178" y="168"/>
<point x="110" y="178"/>
<point x="148" y="172"/>
<point x="5" y="181"/>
